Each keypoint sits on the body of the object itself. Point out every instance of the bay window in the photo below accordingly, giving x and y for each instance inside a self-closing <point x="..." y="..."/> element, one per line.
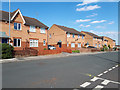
<point x="33" y="43"/>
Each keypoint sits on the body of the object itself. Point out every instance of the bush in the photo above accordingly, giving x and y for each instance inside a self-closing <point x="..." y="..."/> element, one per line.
<point x="45" y="49"/>
<point x="109" y="46"/>
<point x="76" y="51"/>
<point x="105" y="48"/>
<point x="6" y="51"/>
<point x="115" y="48"/>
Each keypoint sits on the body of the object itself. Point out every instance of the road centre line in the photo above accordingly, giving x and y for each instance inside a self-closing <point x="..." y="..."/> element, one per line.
<point x="105" y="71"/>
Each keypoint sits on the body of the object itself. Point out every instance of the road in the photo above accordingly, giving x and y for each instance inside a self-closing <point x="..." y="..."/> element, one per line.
<point x="84" y="71"/>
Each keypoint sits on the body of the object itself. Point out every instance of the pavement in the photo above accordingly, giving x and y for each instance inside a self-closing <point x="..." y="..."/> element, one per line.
<point x="63" y="54"/>
<point x="98" y="70"/>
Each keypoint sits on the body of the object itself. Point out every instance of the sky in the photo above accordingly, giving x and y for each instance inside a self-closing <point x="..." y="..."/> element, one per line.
<point x="100" y="18"/>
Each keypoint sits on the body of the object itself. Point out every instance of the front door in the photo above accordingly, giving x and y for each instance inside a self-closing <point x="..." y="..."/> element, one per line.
<point x="60" y="44"/>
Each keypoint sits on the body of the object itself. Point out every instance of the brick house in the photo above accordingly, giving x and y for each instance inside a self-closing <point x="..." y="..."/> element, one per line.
<point x="92" y="39"/>
<point x="108" y="41"/>
<point x="64" y="37"/>
<point x="26" y="32"/>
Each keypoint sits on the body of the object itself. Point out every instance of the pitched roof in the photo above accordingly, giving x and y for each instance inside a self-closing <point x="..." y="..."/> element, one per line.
<point x="28" y="20"/>
<point x="92" y="34"/>
<point x="109" y="38"/>
<point x="69" y="30"/>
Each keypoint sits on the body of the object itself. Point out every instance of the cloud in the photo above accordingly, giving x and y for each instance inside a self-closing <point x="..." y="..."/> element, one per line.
<point x="84" y="25"/>
<point x="85" y="20"/>
<point x="99" y="21"/>
<point x="88" y="8"/>
<point x="100" y="27"/>
<point x="112" y="22"/>
<point x="94" y="14"/>
<point x="85" y="2"/>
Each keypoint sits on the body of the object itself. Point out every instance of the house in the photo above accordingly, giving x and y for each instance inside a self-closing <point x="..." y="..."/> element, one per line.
<point x="25" y="32"/>
<point x="92" y="39"/>
<point x="64" y="37"/>
<point x="110" y="41"/>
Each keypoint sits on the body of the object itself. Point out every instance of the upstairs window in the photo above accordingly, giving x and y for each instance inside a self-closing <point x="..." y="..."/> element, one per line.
<point x="68" y="35"/>
<point x="32" y="29"/>
<point x="17" y="26"/>
<point x="78" y="36"/>
<point x="73" y="35"/>
<point x="82" y="37"/>
<point x="49" y="35"/>
<point x="42" y="30"/>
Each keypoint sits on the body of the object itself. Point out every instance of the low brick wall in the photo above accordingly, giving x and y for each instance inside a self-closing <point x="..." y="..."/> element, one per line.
<point x="89" y="50"/>
<point x="26" y="52"/>
<point x="46" y="52"/>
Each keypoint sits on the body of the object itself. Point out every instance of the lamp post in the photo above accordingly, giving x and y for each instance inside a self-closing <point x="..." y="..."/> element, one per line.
<point x="9" y="21"/>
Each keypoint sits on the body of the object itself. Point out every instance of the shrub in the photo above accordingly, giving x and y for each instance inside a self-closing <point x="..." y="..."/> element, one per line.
<point x="45" y="49"/>
<point x="6" y="51"/>
<point x="76" y="51"/>
<point x="115" y="48"/>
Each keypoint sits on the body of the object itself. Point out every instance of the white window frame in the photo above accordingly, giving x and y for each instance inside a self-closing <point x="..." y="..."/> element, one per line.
<point x="67" y="44"/>
<point x="73" y="45"/>
<point x="32" y="29"/>
<point x="68" y="34"/>
<point x="42" y="30"/>
<point x="96" y="45"/>
<point x="18" y="26"/>
<point x="73" y="36"/>
<point x="50" y="36"/>
<point x="17" y="42"/>
<point x="44" y="44"/>
<point x="79" y="45"/>
<point x="78" y="36"/>
<point x="34" y="43"/>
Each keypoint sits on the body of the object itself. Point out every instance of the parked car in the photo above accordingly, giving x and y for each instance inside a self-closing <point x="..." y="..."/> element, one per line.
<point x="51" y="47"/>
<point x="91" y="47"/>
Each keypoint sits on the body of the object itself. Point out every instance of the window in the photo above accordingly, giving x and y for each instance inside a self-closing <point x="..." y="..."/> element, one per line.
<point x="78" y="36"/>
<point x="72" y="44"/>
<point x="17" y="42"/>
<point x="32" y="29"/>
<point x="44" y="43"/>
<point x="73" y="35"/>
<point x="42" y="30"/>
<point x="82" y="37"/>
<point x="79" y="45"/>
<point x="67" y="44"/>
<point x="99" y="45"/>
<point x="33" y="43"/>
<point x="95" y="45"/>
<point x="17" y="26"/>
<point x="83" y="44"/>
<point x="68" y="34"/>
<point x="49" y="35"/>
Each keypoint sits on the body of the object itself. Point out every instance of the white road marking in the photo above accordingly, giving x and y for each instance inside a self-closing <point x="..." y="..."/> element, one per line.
<point x="99" y="86"/>
<point x="100" y="74"/>
<point x="110" y="81"/>
<point x="116" y="66"/>
<point x="105" y="71"/>
<point x="94" y="79"/>
<point x="85" y="84"/>
<point x="113" y="67"/>
<point x="105" y="82"/>
<point x="110" y="69"/>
